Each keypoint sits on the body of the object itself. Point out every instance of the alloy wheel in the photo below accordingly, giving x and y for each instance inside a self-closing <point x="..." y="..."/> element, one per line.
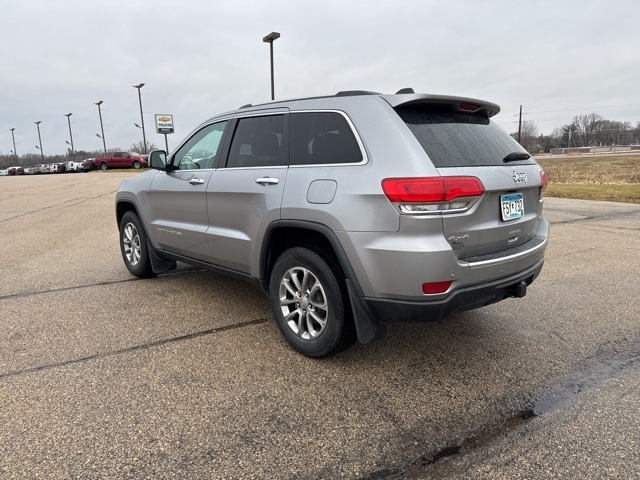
<point x="131" y="243"/>
<point x="303" y="303"/>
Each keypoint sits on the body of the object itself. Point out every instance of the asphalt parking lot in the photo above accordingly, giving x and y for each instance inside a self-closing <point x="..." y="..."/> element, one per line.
<point x="186" y="376"/>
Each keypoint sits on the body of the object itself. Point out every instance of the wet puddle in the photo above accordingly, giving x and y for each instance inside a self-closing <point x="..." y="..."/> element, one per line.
<point x="555" y="398"/>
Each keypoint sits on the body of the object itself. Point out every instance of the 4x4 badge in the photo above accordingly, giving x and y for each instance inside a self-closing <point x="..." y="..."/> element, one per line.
<point x="520" y="177"/>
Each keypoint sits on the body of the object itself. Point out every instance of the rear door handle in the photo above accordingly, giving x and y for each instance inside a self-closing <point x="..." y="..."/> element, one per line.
<point x="264" y="181"/>
<point x="196" y="181"/>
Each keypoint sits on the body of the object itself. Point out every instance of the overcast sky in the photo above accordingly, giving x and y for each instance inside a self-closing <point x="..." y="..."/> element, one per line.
<point x="202" y="57"/>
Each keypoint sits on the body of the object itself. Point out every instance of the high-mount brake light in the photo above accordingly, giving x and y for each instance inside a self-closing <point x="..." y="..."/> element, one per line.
<point x="432" y="194"/>
<point x="469" y="107"/>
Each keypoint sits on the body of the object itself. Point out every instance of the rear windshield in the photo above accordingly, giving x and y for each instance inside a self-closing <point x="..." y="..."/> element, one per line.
<point x="455" y="139"/>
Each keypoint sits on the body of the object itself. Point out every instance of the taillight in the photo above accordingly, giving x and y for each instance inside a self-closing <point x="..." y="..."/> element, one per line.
<point x="544" y="181"/>
<point x="432" y="194"/>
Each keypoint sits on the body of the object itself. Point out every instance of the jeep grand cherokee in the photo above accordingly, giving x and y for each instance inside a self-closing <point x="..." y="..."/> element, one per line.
<point x="351" y="211"/>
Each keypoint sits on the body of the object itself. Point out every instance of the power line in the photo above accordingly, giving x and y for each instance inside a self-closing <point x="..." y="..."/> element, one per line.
<point x="576" y="109"/>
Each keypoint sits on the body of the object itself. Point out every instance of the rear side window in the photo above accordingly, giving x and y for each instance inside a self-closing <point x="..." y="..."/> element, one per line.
<point x="257" y="142"/>
<point x="320" y="138"/>
<point x="455" y="139"/>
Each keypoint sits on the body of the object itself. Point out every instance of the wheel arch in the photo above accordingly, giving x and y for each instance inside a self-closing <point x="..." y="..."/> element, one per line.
<point x="284" y="234"/>
<point x="123" y="207"/>
<point x="159" y="263"/>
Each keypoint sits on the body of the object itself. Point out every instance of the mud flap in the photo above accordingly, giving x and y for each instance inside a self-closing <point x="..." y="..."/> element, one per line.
<point x="159" y="264"/>
<point x="366" y="327"/>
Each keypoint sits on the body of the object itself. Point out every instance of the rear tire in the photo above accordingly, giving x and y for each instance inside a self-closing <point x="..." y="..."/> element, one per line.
<point x="133" y="246"/>
<point x="308" y="303"/>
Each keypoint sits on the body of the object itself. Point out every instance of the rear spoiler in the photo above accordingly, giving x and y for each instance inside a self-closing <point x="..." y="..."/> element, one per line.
<point x="461" y="104"/>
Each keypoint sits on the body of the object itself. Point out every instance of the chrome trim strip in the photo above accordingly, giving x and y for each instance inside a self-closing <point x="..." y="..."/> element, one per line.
<point x="508" y="258"/>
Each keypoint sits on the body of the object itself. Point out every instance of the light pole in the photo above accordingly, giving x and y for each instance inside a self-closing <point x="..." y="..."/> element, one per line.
<point x="104" y="142"/>
<point x="14" y="144"/>
<point x="270" y="39"/>
<point x="73" y="152"/>
<point x="40" y="140"/>
<point x="144" y="138"/>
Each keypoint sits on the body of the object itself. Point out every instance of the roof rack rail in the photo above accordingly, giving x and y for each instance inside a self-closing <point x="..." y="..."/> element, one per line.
<point x="405" y="90"/>
<point x="352" y="93"/>
<point x="246" y="106"/>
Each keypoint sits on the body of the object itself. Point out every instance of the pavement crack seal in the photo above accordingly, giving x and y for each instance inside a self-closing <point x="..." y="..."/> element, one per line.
<point x="625" y="213"/>
<point x="66" y="203"/>
<point x="91" y="285"/>
<point x="134" y="348"/>
<point x="595" y="372"/>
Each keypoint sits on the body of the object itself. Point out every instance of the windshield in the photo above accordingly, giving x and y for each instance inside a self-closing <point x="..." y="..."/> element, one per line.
<point x="456" y="139"/>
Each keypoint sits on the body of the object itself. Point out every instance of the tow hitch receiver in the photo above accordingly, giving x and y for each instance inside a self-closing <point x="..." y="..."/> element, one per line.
<point x="520" y="290"/>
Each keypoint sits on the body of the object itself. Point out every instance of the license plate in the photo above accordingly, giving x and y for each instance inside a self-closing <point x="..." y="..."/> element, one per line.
<point x="512" y="206"/>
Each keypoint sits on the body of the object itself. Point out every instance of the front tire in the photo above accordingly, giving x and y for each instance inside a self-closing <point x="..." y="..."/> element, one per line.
<point x="136" y="164"/>
<point x="133" y="246"/>
<point x="308" y="303"/>
<point x="103" y="166"/>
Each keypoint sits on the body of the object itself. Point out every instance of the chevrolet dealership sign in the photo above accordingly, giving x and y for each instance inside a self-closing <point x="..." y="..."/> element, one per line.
<point x="164" y="124"/>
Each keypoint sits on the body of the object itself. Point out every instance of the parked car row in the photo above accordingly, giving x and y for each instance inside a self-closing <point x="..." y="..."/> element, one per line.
<point x="59" y="167"/>
<point x="115" y="160"/>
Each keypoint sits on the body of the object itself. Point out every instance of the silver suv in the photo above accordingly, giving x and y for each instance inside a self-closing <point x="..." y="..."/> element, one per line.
<point x="351" y="211"/>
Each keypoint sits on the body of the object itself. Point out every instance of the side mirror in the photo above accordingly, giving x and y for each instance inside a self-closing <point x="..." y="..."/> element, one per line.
<point x="158" y="159"/>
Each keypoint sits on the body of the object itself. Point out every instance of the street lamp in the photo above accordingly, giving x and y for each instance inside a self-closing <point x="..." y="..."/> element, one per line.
<point x="73" y="152"/>
<point x="104" y="142"/>
<point x="40" y="140"/>
<point x="270" y="39"/>
<point x="14" y="143"/>
<point x="144" y="138"/>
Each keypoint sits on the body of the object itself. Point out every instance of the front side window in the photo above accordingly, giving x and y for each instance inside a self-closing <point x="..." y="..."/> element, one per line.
<point x="320" y="138"/>
<point x="201" y="149"/>
<point x="257" y="142"/>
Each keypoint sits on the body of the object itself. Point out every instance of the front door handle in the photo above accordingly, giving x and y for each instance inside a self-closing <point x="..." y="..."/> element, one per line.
<point x="264" y="181"/>
<point x="196" y="181"/>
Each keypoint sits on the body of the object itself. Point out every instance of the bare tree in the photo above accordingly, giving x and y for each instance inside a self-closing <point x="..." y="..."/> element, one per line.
<point x="587" y="126"/>
<point x="615" y="133"/>
<point x="139" y="147"/>
<point x="564" y="136"/>
<point x="528" y="135"/>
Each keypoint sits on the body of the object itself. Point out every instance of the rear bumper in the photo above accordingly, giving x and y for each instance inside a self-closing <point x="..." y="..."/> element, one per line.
<point x="388" y="311"/>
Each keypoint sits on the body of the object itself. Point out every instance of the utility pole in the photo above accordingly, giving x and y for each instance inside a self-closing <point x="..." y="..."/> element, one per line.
<point x="520" y="124"/>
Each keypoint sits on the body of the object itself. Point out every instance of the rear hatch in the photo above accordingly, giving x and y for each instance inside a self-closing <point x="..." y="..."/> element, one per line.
<point x="461" y="141"/>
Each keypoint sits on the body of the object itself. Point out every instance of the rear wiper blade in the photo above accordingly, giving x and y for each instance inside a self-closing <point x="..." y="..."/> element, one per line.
<point x="514" y="156"/>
